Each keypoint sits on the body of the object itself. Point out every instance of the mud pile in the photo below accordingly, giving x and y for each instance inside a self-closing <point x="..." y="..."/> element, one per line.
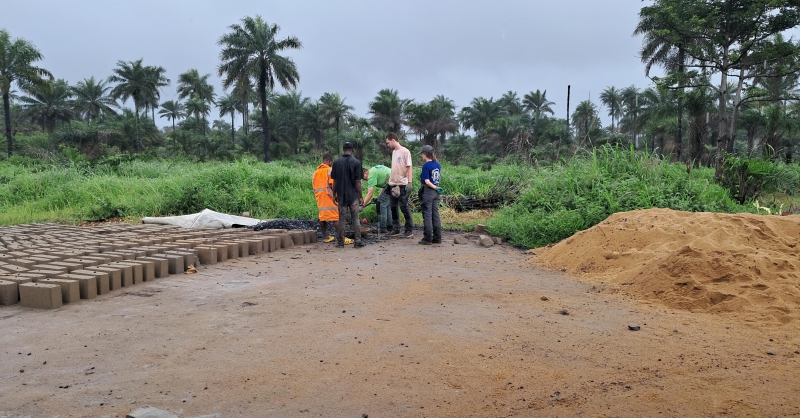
<point x="743" y="265"/>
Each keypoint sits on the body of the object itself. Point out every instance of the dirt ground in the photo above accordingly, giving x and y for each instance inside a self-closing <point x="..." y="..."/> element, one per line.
<point x="391" y="330"/>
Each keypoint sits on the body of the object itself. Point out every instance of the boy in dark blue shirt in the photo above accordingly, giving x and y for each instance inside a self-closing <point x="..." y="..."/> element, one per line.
<point x="429" y="198"/>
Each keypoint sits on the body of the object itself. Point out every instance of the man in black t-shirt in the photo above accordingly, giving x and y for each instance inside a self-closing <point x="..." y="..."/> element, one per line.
<point x="346" y="173"/>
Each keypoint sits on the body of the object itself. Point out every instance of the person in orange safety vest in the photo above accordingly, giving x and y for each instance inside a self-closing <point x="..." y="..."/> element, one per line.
<point x="328" y="211"/>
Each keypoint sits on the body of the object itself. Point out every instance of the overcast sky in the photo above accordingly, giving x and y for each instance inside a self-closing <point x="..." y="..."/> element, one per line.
<point x="422" y="48"/>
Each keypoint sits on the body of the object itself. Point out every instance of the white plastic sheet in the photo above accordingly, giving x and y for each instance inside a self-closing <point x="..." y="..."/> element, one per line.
<point x="205" y="219"/>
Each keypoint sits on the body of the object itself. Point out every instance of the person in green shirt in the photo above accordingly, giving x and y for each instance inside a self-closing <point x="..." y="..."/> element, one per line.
<point x="378" y="176"/>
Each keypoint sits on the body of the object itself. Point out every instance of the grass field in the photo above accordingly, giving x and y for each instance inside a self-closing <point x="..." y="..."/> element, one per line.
<point x="556" y="201"/>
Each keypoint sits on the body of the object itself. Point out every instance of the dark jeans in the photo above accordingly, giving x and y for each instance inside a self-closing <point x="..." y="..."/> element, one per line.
<point x="402" y="202"/>
<point x="350" y="211"/>
<point x="382" y="207"/>
<point x="430" y="215"/>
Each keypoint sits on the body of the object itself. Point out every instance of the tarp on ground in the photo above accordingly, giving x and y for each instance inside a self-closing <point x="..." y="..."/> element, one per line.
<point x="205" y="219"/>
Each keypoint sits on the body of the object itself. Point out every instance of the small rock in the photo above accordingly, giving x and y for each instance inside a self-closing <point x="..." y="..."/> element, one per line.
<point x="770" y="352"/>
<point x="460" y="239"/>
<point x="246" y="214"/>
<point x="479" y="228"/>
<point x="497" y="240"/>
<point x="563" y="312"/>
<point x="150" y="412"/>
<point x="486" y="240"/>
<point x="633" y="327"/>
<point x="545" y="298"/>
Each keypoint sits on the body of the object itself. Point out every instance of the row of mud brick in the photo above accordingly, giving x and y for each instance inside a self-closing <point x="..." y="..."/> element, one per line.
<point x="48" y="265"/>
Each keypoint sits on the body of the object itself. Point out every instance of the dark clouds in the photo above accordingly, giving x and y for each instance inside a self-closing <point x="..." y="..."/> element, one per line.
<point x="357" y="47"/>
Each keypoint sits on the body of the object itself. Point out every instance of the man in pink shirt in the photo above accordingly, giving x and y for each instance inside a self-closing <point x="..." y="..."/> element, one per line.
<point x="399" y="184"/>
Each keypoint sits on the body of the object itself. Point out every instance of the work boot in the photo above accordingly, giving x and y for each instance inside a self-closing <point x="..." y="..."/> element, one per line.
<point x="424" y="242"/>
<point x="408" y="234"/>
<point x="358" y="244"/>
<point x="395" y="232"/>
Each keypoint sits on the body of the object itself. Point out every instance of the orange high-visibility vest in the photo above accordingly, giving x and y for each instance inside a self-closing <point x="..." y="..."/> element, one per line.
<point x="322" y="183"/>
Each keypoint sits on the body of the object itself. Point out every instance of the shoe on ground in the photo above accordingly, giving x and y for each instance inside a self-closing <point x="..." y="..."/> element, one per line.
<point x="358" y="244"/>
<point x="425" y="242"/>
<point x="329" y="239"/>
<point x="436" y="241"/>
<point x="395" y="232"/>
<point x="338" y="245"/>
<point x="348" y="241"/>
<point x="408" y="234"/>
<point x="379" y="231"/>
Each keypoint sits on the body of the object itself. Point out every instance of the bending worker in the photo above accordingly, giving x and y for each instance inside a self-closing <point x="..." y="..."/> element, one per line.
<point x="378" y="176"/>
<point x="323" y="191"/>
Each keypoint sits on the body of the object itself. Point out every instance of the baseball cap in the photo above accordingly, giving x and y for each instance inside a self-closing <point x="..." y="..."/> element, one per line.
<point x="426" y="148"/>
<point x="347" y="145"/>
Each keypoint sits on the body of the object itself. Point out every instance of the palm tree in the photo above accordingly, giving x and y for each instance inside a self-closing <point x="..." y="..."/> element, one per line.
<point x="388" y="111"/>
<point x="229" y="105"/>
<point x="200" y="108"/>
<point x="313" y="123"/>
<point x="291" y="108"/>
<point x="159" y="79"/>
<point x="49" y="104"/>
<point x="584" y="118"/>
<point x="92" y="100"/>
<point x="253" y="48"/>
<point x="612" y="99"/>
<point x="334" y="109"/>
<point x="432" y="121"/>
<point x="172" y="109"/>
<point x="191" y="84"/>
<point x="16" y="66"/>
<point x="140" y="83"/>
<point x="243" y="91"/>
<point x="511" y="103"/>
<point x="536" y="102"/>
<point x="479" y="113"/>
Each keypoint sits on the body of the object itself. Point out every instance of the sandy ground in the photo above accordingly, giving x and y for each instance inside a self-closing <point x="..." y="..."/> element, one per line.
<point x="390" y="330"/>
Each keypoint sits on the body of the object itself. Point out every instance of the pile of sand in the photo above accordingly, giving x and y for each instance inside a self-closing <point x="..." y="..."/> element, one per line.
<point x="744" y="265"/>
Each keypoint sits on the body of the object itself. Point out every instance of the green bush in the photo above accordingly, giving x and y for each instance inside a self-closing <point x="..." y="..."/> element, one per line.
<point x="578" y="194"/>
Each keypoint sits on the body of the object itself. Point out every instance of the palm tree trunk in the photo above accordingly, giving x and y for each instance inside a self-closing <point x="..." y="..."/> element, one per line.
<point x="139" y="146"/>
<point x="7" y="115"/>
<point x="233" y="130"/>
<point x="173" y="124"/>
<point x="262" y="91"/>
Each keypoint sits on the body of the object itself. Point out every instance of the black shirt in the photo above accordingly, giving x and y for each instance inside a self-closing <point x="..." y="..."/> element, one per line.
<point x="346" y="171"/>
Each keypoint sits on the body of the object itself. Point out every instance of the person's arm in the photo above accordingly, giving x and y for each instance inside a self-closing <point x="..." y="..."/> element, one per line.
<point x="409" y="174"/>
<point x="360" y="196"/>
<point x="367" y="199"/>
<point x="431" y="185"/>
<point x="335" y="196"/>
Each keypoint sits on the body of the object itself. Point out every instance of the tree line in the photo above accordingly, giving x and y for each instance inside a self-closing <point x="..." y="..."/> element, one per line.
<point x="729" y="87"/>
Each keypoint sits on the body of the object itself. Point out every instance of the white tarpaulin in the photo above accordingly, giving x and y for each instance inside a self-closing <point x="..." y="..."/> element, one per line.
<point x="205" y="219"/>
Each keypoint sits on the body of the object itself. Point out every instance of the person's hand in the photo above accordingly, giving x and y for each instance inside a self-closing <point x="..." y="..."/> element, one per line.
<point x="361" y="202"/>
<point x="335" y="200"/>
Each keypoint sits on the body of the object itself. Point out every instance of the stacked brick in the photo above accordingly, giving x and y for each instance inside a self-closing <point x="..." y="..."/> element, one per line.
<point x="48" y="265"/>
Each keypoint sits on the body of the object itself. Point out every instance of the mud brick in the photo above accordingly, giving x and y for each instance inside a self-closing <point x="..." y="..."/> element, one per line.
<point x="138" y="270"/>
<point x="160" y="266"/>
<point x="222" y="251"/>
<point x="311" y="236"/>
<point x="233" y="248"/>
<point x="70" y="266"/>
<point x="86" y="284"/>
<point x="101" y="279"/>
<point x="9" y="292"/>
<point x="125" y="254"/>
<point x="85" y="261"/>
<point x="189" y="257"/>
<point x="207" y="254"/>
<point x="100" y="259"/>
<point x="22" y="262"/>
<point x="286" y="241"/>
<point x="28" y="275"/>
<point x="148" y="269"/>
<point x="48" y="274"/>
<point x="127" y="272"/>
<point x="70" y="289"/>
<point x="175" y="263"/>
<point x="11" y="268"/>
<point x="256" y="246"/>
<point x="114" y="275"/>
<point x="40" y="295"/>
<point x="298" y="237"/>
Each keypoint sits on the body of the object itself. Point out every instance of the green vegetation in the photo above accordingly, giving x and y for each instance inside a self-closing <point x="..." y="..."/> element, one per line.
<point x="694" y="140"/>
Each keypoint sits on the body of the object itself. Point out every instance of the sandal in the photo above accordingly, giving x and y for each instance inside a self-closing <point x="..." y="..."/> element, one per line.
<point x="348" y="241"/>
<point x="329" y="239"/>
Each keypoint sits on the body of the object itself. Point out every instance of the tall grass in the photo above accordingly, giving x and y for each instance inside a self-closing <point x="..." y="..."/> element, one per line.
<point x="577" y="194"/>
